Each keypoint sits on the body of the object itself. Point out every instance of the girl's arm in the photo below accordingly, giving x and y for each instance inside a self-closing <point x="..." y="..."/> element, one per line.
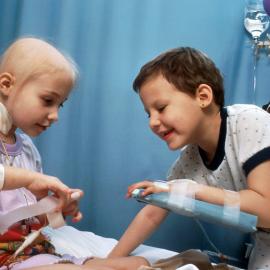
<point x="143" y="225"/>
<point x="39" y="184"/>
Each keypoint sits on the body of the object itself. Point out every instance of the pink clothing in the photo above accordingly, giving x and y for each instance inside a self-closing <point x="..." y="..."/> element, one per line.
<point x="44" y="259"/>
<point x="23" y="154"/>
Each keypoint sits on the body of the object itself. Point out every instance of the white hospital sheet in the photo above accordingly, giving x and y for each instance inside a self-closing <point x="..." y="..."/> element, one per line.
<point x="69" y="240"/>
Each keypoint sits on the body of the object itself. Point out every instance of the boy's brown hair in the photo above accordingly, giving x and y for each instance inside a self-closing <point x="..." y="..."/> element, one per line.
<point x="186" y="68"/>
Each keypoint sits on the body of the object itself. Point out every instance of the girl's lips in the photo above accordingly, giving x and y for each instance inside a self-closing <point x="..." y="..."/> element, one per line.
<point x="43" y="128"/>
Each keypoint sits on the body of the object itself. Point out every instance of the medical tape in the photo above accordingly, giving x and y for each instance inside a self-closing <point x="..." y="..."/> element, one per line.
<point x="56" y="219"/>
<point x="231" y="209"/>
<point x="182" y="194"/>
<point x="46" y="205"/>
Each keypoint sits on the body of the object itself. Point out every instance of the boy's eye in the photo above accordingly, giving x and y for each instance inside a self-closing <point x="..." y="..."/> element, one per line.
<point x="161" y="108"/>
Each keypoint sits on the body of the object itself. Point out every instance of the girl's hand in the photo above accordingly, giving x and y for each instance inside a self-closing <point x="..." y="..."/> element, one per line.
<point x="42" y="184"/>
<point x="71" y="208"/>
<point x="68" y="204"/>
<point x="149" y="188"/>
<point x="39" y="184"/>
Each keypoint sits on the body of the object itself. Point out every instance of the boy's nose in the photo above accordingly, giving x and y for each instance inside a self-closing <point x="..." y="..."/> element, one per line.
<point x="154" y="122"/>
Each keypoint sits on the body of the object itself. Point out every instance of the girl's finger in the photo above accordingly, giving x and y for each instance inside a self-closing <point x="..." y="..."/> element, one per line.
<point x="78" y="216"/>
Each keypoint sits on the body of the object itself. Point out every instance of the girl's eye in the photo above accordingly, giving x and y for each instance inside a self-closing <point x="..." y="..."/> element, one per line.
<point x="48" y="101"/>
<point x="61" y="105"/>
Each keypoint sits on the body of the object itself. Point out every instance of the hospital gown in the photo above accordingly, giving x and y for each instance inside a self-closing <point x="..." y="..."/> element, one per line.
<point x="244" y="143"/>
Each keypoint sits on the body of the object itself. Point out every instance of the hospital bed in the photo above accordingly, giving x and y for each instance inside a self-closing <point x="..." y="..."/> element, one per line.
<point x="89" y="244"/>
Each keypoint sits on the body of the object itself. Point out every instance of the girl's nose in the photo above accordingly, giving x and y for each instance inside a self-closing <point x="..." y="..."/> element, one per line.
<point x="53" y="116"/>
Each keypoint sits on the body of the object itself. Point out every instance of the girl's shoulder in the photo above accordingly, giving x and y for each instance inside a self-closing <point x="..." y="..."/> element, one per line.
<point x="25" y="139"/>
<point x="28" y="145"/>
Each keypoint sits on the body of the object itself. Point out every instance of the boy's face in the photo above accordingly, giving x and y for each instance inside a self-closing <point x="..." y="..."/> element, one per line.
<point x="174" y="116"/>
<point x="34" y="106"/>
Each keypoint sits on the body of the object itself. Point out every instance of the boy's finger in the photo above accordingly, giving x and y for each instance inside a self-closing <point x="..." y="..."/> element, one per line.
<point x="143" y="184"/>
<point x="148" y="191"/>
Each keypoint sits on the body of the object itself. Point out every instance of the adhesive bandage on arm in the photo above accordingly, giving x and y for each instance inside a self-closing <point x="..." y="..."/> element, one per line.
<point x="182" y="195"/>
<point x="231" y="210"/>
<point x="182" y="200"/>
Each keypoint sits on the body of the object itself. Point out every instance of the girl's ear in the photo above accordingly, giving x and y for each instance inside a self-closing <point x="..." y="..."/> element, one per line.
<point x="204" y="95"/>
<point x="6" y="83"/>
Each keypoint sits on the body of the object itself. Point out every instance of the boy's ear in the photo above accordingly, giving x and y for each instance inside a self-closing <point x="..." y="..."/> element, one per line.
<point x="7" y="81"/>
<point x="204" y="95"/>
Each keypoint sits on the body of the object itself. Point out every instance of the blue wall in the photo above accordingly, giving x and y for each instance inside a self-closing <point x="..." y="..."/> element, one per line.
<point x="102" y="142"/>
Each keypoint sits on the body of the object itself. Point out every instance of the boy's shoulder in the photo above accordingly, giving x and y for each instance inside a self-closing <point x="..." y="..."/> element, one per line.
<point x="246" y="113"/>
<point x="188" y="153"/>
<point x="242" y="108"/>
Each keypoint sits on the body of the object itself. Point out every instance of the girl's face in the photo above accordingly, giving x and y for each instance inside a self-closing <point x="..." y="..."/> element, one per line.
<point x="34" y="106"/>
<point x="174" y="116"/>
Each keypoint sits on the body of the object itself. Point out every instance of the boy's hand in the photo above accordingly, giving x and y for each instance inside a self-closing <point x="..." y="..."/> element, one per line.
<point x="149" y="188"/>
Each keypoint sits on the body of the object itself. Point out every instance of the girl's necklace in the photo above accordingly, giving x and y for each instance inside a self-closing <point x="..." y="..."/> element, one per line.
<point x="7" y="157"/>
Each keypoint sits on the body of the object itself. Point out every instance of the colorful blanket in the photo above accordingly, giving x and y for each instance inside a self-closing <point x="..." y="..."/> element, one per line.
<point x="11" y="240"/>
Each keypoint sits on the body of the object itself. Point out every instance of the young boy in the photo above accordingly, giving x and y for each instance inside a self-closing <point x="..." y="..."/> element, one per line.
<point x="222" y="148"/>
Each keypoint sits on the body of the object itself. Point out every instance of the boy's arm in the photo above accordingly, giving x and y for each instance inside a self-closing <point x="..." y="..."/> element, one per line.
<point x="143" y="225"/>
<point x="254" y="200"/>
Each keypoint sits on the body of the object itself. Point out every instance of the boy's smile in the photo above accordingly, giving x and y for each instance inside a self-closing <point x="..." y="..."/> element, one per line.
<point x="167" y="135"/>
<point x="173" y="115"/>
